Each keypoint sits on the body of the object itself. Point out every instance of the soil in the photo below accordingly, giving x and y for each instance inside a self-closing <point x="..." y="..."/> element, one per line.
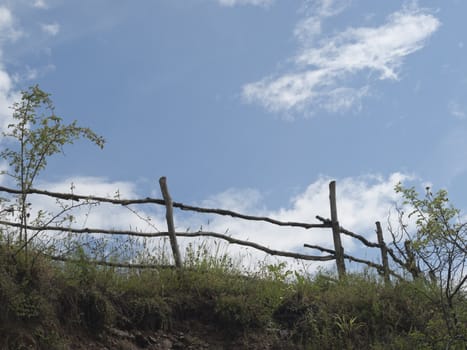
<point x="190" y="336"/>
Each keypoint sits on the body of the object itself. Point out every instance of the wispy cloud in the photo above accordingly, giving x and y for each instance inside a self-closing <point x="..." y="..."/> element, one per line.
<point x="245" y="2"/>
<point x="7" y="98"/>
<point x="11" y="32"/>
<point x="41" y="4"/>
<point x="51" y="28"/>
<point x="456" y="110"/>
<point x="8" y="32"/>
<point x="310" y="27"/>
<point x="322" y="71"/>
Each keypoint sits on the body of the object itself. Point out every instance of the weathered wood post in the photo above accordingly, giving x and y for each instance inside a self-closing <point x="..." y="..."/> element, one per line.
<point x="384" y="252"/>
<point x="170" y="221"/>
<point x="336" y="234"/>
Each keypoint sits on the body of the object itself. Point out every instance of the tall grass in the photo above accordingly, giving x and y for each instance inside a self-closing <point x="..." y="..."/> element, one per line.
<point x="46" y="304"/>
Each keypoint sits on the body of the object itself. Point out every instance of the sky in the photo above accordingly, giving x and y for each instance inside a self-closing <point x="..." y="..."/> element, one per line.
<point x="249" y="105"/>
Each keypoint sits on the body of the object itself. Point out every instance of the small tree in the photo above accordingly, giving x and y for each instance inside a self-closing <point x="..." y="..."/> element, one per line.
<point x="36" y="134"/>
<point x="436" y="250"/>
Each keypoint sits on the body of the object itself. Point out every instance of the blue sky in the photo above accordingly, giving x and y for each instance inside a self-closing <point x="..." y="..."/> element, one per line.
<point x="250" y="103"/>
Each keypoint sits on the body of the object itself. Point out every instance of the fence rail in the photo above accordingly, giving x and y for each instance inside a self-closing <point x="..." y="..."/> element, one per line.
<point x="147" y="200"/>
<point x="336" y="254"/>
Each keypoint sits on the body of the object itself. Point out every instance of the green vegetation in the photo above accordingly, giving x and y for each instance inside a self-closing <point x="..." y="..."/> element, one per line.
<point x="51" y="305"/>
<point x="213" y="301"/>
<point x="36" y="134"/>
<point x="435" y="252"/>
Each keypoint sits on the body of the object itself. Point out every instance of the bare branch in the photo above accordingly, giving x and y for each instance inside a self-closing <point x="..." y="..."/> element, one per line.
<point x="180" y="234"/>
<point x="360" y="238"/>
<point x="111" y="264"/>
<point x="378" y="267"/>
<point x="148" y="200"/>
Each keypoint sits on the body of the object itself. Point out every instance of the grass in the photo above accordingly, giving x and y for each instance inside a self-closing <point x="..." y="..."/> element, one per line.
<point x="46" y="304"/>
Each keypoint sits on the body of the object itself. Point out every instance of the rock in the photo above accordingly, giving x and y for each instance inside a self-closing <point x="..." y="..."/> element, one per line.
<point x="166" y="344"/>
<point x="121" y="334"/>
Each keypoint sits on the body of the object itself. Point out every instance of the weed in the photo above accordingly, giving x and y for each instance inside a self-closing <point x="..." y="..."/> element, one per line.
<point x="274" y="302"/>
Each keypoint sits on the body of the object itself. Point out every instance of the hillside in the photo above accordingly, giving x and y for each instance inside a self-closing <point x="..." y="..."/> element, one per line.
<point x="46" y="304"/>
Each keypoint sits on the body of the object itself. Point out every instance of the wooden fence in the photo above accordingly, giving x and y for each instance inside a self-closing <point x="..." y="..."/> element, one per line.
<point x="338" y="253"/>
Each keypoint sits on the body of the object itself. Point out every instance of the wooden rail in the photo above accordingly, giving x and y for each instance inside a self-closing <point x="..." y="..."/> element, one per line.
<point x="336" y="254"/>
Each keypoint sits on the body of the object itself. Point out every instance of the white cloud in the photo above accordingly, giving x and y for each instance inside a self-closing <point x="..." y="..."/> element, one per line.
<point x="51" y="28"/>
<point x="6" y="19"/>
<point x="456" y="110"/>
<point x="93" y="186"/>
<point x="40" y="4"/>
<point x="32" y="74"/>
<point x="322" y="71"/>
<point x="103" y="216"/>
<point x="311" y="26"/>
<point x="380" y="49"/>
<point x="7" y="26"/>
<point x="8" y="95"/>
<point x="245" y="2"/>
<point x="361" y="201"/>
<point x="144" y="218"/>
<point x="308" y="28"/>
<point x="237" y="200"/>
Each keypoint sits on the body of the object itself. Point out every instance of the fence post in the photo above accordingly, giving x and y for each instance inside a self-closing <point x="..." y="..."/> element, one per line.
<point x="384" y="252"/>
<point x="170" y="221"/>
<point x="339" y="250"/>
